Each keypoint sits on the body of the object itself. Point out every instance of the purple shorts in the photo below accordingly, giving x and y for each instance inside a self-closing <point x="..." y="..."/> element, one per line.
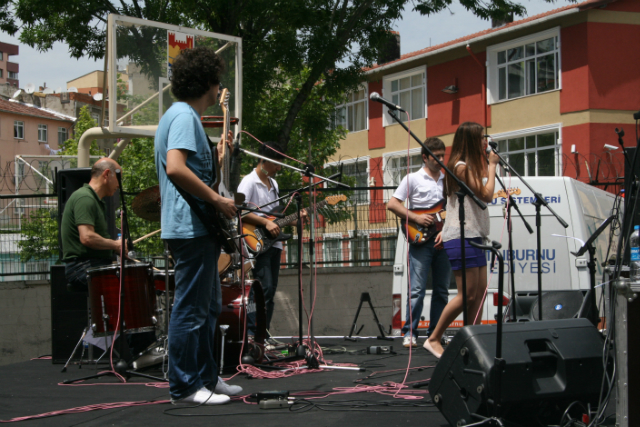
<point x="474" y="257"/>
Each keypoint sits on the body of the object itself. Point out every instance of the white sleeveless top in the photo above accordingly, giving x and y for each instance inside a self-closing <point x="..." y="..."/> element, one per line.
<point x="476" y="220"/>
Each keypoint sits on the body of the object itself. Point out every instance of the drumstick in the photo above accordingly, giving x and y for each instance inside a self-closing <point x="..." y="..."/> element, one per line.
<point x="147" y="235"/>
<point x="137" y="260"/>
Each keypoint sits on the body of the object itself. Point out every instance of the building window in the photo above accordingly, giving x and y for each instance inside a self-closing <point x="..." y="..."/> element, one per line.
<point x="359" y="250"/>
<point x="532" y="153"/>
<point x="332" y="252"/>
<point x="355" y="168"/>
<point x="13" y="75"/>
<point x="353" y="114"/>
<point x="395" y="168"/>
<point x="64" y="97"/>
<point x="407" y="89"/>
<point x="63" y="135"/>
<point x="1" y="56"/>
<point x="1" y="73"/>
<point x="523" y="67"/>
<point x="42" y="133"/>
<point x="18" y="129"/>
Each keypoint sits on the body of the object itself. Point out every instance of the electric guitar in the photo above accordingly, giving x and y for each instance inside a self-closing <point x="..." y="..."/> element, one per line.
<point x="417" y="234"/>
<point x="224" y="229"/>
<point x="258" y="239"/>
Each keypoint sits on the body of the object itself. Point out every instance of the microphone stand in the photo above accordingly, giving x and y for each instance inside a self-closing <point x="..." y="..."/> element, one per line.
<point x="539" y="201"/>
<point x="512" y="203"/>
<point x="463" y="191"/>
<point x="308" y="171"/>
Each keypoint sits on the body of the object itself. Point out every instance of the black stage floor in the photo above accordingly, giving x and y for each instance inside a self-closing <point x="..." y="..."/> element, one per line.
<point x="33" y="387"/>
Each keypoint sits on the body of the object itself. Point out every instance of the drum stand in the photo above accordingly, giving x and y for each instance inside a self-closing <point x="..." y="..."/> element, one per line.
<point x="162" y="340"/>
<point x="121" y="366"/>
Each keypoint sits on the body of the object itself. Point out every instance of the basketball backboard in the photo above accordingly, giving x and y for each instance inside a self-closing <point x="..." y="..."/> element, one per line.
<point x="140" y="55"/>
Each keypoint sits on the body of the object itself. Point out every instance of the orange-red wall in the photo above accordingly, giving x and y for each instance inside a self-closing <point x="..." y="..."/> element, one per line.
<point x="376" y="130"/>
<point x="445" y="111"/>
<point x="600" y="67"/>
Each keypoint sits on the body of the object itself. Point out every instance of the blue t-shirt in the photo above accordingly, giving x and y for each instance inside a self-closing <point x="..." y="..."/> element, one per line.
<point x="180" y="128"/>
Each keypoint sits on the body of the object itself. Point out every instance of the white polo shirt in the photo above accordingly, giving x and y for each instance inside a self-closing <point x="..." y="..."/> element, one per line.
<point x="424" y="191"/>
<point x="257" y="194"/>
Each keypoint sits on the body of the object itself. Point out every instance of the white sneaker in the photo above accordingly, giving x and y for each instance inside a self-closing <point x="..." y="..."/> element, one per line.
<point x="203" y="397"/>
<point x="409" y="341"/>
<point x="224" y="388"/>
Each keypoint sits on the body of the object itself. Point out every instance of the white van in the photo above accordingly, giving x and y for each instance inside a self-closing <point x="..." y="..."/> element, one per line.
<point x="582" y="206"/>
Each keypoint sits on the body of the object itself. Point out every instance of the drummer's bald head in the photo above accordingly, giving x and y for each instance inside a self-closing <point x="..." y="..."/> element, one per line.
<point x="102" y="165"/>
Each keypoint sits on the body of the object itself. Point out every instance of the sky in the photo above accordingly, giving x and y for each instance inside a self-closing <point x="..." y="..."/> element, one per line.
<point x="55" y="67"/>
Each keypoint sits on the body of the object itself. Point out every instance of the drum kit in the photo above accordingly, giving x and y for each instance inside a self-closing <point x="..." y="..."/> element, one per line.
<point x="148" y="291"/>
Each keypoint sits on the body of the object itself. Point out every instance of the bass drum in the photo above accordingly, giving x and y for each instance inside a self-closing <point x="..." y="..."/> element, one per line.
<point x="139" y="303"/>
<point x="234" y="309"/>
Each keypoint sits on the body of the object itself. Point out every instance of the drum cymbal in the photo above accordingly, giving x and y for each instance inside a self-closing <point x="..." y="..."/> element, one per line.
<point x="147" y="204"/>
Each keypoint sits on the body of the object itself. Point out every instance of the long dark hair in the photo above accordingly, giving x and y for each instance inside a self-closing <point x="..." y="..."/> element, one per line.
<point x="467" y="147"/>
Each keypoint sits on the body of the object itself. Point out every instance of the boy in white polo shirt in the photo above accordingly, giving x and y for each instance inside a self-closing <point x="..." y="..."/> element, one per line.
<point x="424" y="189"/>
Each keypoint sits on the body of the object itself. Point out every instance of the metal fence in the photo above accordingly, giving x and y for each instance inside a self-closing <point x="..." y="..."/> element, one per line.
<point x="357" y="231"/>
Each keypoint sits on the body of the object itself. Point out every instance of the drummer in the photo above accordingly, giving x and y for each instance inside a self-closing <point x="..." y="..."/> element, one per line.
<point x="85" y="235"/>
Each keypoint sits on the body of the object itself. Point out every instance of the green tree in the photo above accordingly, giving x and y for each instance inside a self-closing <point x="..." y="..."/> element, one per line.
<point x="83" y="123"/>
<point x="308" y="39"/>
<point x="40" y="235"/>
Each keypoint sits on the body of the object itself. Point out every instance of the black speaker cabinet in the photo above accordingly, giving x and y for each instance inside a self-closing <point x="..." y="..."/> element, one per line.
<point x="548" y="365"/>
<point x="68" y="316"/>
<point x="68" y="181"/>
<point x="565" y="304"/>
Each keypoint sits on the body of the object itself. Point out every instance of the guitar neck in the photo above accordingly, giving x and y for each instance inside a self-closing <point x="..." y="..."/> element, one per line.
<point x="287" y="219"/>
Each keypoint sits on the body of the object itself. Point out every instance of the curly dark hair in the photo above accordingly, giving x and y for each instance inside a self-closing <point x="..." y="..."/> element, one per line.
<point x="271" y="149"/>
<point x="194" y="71"/>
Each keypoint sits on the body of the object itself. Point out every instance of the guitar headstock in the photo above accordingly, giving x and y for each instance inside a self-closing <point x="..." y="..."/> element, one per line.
<point x="332" y="200"/>
<point x="224" y="100"/>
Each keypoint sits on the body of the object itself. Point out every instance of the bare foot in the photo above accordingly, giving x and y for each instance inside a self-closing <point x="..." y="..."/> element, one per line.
<point x="433" y="347"/>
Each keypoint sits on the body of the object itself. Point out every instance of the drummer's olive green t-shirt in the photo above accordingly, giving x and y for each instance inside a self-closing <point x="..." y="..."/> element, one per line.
<point x="84" y="207"/>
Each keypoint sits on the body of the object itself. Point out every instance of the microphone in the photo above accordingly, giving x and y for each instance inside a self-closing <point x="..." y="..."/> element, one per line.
<point x="492" y="146"/>
<point x="390" y="105"/>
<point x="236" y="146"/>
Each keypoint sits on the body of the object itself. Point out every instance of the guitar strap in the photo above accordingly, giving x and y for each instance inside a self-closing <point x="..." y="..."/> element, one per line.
<point x="193" y="204"/>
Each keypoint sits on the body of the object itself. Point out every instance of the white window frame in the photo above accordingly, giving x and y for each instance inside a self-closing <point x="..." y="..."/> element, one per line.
<point x="43" y="133"/>
<point x="555" y="127"/>
<point x="18" y="125"/>
<point x="492" y="63"/>
<point x="333" y="237"/>
<point x="348" y="104"/>
<point x="357" y="159"/>
<point x="386" y="174"/>
<point x="386" y="93"/>
<point x="62" y="130"/>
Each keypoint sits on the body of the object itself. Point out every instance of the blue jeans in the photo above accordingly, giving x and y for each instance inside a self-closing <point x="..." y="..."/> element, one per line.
<point x="267" y="270"/>
<point x="422" y="260"/>
<point x="196" y="307"/>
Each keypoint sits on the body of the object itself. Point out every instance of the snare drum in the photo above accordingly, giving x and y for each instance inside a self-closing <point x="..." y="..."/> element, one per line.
<point x="139" y="302"/>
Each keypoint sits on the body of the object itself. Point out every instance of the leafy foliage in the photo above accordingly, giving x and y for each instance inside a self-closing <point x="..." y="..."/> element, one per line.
<point x="40" y="235"/>
<point x="84" y="122"/>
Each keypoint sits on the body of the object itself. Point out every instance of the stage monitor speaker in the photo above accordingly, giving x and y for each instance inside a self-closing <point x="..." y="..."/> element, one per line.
<point x="565" y="304"/>
<point x="548" y="365"/>
<point x="68" y="181"/>
<point x="68" y="316"/>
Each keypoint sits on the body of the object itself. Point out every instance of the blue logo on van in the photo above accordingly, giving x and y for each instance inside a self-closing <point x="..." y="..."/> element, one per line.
<point x="558" y="307"/>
